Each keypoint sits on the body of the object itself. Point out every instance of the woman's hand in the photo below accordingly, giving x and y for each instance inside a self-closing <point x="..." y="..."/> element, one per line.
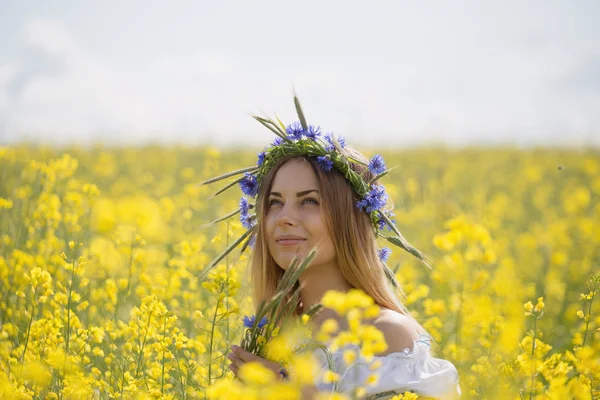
<point x="239" y="356"/>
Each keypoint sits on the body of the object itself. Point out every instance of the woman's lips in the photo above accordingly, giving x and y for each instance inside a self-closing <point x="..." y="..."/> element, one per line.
<point x="289" y="242"/>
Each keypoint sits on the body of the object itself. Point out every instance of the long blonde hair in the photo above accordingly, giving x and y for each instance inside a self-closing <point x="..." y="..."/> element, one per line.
<point x="349" y="227"/>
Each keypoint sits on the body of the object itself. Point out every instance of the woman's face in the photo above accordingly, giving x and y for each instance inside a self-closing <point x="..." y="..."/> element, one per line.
<point x="294" y="221"/>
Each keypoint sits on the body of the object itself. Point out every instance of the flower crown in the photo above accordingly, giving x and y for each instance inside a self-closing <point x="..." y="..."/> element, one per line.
<point x="301" y="139"/>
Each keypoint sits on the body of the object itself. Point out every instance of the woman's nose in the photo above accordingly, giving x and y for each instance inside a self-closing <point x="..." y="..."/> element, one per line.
<point x="287" y="216"/>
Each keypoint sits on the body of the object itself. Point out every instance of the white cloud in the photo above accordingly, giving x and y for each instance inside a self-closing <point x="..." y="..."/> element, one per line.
<point x="50" y="36"/>
<point x="6" y="74"/>
<point x="194" y="98"/>
<point x="470" y="83"/>
<point x="94" y="96"/>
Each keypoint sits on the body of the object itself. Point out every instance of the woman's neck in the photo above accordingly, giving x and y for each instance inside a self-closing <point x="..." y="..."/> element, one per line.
<point x="315" y="282"/>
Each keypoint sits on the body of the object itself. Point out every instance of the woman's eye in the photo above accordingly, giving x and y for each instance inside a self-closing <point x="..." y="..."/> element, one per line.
<point x="306" y="200"/>
<point x="273" y="201"/>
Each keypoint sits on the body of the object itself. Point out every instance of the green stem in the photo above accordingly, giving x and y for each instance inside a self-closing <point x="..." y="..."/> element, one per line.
<point x="587" y="323"/>
<point x="162" y="388"/>
<point x="226" y="299"/>
<point x="532" y="393"/>
<point x="183" y="391"/>
<point x="6" y="299"/>
<point x="28" y="329"/>
<point x="458" y="320"/>
<point x="210" y="348"/>
<point x="122" y="380"/>
<point x="117" y="304"/>
<point x="137" y="371"/>
<point x="68" y="330"/>
<point x="130" y="263"/>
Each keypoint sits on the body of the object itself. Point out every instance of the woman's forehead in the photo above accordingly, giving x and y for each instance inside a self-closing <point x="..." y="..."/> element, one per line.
<point x="295" y="175"/>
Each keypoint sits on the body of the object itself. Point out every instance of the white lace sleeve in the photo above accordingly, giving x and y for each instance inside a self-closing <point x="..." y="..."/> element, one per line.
<point x="409" y="370"/>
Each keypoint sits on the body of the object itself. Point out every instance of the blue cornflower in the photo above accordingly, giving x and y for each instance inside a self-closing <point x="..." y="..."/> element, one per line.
<point x="295" y="130"/>
<point x="247" y="221"/>
<point x="252" y="241"/>
<point x="325" y="163"/>
<point x="261" y="158"/>
<point x="374" y="200"/>
<point x="331" y="141"/>
<point x="382" y="224"/>
<point x="249" y="185"/>
<point x="313" y="132"/>
<point x="245" y="218"/>
<point x="277" y="142"/>
<point x="384" y="254"/>
<point x="249" y="321"/>
<point x="244" y="206"/>
<point x="377" y="165"/>
<point x="390" y="215"/>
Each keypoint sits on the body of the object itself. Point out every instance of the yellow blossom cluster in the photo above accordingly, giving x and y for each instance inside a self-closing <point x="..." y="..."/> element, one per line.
<point x="355" y="306"/>
<point x="531" y="309"/>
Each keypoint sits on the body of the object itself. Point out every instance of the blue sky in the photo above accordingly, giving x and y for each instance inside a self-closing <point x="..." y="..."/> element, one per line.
<point x="385" y="72"/>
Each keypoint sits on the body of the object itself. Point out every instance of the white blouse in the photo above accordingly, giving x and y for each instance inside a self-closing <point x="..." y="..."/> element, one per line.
<point x="413" y="370"/>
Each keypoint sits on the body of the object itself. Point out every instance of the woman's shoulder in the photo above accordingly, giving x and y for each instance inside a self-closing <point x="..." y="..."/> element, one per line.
<point x="400" y="331"/>
<point x="410" y="369"/>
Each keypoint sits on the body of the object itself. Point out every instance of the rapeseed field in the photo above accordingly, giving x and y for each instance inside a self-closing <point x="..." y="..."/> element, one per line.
<point x="101" y="251"/>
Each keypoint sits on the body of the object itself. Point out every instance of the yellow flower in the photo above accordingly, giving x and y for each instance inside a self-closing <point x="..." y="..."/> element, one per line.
<point x="330" y="377"/>
<point x="255" y="373"/>
<point x="372" y="379"/>
<point x="372" y="311"/>
<point x="434" y="307"/>
<point x="223" y="389"/>
<point x="329" y="326"/>
<point x="406" y="396"/>
<point x="98" y="352"/>
<point x="280" y="347"/>
<point x="336" y="301"/>
<point x="349" y="356"/>
<point x="375" y="365"/>
<point x="303" y="369"/>
<point x="331" y="396"/>
<point x="443" y="242"/>
<point x="540" y="305"/>
<point x="5" y="203"/>
<point x="37" y="373"/>
<point x="489" y="256"/>
<point x="358" y="298"/>
<point x="529" y="307"/>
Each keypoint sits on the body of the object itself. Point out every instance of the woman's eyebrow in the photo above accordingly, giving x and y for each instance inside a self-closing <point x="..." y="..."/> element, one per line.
<point x="298" y="194"/>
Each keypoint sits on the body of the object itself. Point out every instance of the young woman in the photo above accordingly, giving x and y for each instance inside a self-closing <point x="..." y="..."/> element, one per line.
<point x="309" y="198"/>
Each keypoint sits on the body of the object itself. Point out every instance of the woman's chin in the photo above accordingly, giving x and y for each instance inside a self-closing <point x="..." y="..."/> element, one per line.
<point x="284" y="260"/>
